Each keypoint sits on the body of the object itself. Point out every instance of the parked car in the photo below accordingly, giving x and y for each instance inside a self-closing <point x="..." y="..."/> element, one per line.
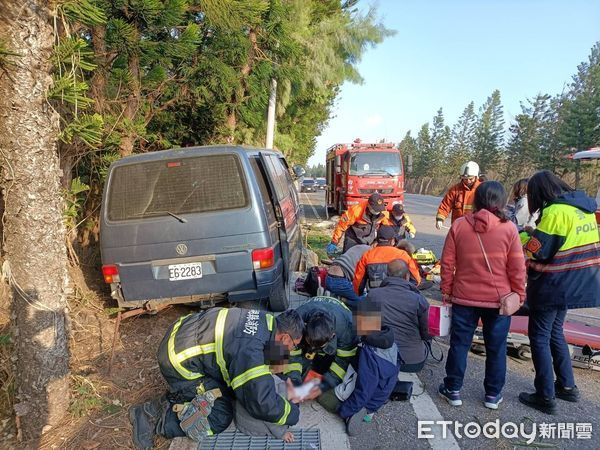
<point x="321" y="184"/>
<point x="308" y="185"/>
<point x="200" y="225"/>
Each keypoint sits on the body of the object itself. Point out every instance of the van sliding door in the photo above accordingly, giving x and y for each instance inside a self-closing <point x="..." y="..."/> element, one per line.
<point x="280" y="198"/>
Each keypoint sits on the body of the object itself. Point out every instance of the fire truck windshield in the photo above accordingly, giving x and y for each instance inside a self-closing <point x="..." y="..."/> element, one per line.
<point x="375" y="163"/>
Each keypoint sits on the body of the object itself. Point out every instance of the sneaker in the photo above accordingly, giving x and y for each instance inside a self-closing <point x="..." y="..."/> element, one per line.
<point x="492" y="401"/>
<point x="543" y="404"/>
<point x="452" y="397"/>
<point x="567" y="394"/>
<point x="355" y="423"/>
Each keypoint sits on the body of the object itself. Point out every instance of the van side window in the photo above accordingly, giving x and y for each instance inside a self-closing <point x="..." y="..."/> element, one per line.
<point x="281" y="183"/>
<point x="260" y="174"/>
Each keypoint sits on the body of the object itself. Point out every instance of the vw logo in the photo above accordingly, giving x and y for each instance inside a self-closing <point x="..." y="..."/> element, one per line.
<point x="181" y="249"/>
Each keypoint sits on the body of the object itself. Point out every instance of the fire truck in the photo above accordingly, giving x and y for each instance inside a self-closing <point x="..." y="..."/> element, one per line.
<point x="355" y="171"/>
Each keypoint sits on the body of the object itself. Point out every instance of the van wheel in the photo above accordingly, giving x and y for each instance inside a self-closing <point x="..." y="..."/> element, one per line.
<point x="280" y="298"/>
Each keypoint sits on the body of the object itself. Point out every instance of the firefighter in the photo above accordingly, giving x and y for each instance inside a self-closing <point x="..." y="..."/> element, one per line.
<point x="328" y="347"/>
<point x="208" y="360"/>
<point x="359" y="223"/>
<point x="371" y="269"/>
<point x="458" y="201"/>
<point x="401" y="223"/>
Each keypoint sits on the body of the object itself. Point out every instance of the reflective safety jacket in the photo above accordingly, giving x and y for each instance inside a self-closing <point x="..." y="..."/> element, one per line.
<point x="564" y="271"/>
<point x="458" y="201"/>
<point x="357" y="221"/>
<point x="372" y="267"/>
<point x="402" y="226"/>
<point x="225" y="348"/>
<point x="342" y="347"/>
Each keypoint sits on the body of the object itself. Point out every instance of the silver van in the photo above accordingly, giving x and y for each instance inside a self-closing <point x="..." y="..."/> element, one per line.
<point x="200" y="225"/>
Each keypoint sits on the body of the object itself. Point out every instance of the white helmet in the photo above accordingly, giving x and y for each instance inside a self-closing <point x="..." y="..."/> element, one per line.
<point x="469" y="169"/>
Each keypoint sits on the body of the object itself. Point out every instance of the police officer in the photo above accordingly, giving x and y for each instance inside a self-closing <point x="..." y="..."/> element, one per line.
<point x="208" y="360"/>
<point x="359" y="223"/>
<point x="328" y="347"/>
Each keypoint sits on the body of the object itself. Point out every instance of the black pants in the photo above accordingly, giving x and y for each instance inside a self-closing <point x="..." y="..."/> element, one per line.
<point x="182" y="390"/>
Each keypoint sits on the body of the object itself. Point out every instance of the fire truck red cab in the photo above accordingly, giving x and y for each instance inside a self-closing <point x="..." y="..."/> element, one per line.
<point x="355" y="171"/>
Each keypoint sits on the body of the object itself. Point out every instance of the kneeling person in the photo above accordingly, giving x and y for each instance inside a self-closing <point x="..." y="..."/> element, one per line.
<point x="210" y="359"/>
<point x="328" y="347"/>
<point x="377" y="369"/>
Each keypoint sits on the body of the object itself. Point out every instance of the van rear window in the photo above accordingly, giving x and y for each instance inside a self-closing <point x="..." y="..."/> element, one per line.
<point x="177" y="186"/>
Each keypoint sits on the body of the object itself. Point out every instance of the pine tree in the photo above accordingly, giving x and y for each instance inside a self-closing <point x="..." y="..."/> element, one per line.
<point x="34" y="232"/>
<point x="440" y="141"/>
<point x="489" y="136"/>
<point x="463" y="139"/>
<point x="408" y="150"/>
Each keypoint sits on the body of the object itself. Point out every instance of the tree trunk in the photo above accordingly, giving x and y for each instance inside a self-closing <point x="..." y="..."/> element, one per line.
<point x="131" y="108"/>
<point x="99" y="79"/>
<point x="34" y="227"/>
<point x="240" y="93"/>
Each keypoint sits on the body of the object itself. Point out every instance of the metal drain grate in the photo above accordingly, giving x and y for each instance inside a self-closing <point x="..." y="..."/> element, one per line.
<point x="235" y="440"/>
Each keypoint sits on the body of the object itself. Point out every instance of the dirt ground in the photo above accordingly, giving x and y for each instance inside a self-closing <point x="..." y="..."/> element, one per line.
<point x="100" y="400"/>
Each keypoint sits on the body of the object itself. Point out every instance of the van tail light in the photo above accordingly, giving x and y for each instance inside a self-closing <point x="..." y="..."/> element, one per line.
<point x="263" y="258"/>
<point x="111" y="273"/>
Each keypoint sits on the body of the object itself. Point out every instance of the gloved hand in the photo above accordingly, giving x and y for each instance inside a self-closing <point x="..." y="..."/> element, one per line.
<point x="331" y="248"/>
<point x="411" y="235"/>
<point x="439" y="223"/>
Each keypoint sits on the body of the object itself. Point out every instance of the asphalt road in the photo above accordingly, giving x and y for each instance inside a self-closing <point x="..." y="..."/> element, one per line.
<point x="395" y="425"/>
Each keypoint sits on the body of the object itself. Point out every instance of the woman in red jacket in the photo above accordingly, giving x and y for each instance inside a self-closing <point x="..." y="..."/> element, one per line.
<point x="475" y="293"/>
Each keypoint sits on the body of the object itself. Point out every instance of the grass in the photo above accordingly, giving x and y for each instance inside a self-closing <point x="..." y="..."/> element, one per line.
<point x="317" y="240"/>
<point x="86" y="399"/>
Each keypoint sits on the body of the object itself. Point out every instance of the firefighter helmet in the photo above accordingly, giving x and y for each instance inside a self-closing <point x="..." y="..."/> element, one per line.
<point x="469" y="169"/>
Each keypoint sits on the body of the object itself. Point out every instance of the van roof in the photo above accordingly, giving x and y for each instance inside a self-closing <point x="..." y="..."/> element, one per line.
<point x="193" y="151"/>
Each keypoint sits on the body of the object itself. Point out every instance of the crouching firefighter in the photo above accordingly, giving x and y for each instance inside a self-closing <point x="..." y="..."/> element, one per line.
<point x="328" y="348"/>
<point x="209" y="360"/>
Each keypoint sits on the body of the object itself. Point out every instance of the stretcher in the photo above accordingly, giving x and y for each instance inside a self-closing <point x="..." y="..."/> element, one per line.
<point x="582" y="338"/>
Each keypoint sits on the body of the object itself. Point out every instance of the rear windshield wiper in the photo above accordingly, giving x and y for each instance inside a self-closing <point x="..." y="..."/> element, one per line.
<point x="181" y="219"/>
<point x="154" y="213"/>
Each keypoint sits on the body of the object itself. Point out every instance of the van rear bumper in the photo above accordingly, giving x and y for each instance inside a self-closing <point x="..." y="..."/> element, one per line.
<point x="265" y="282"/>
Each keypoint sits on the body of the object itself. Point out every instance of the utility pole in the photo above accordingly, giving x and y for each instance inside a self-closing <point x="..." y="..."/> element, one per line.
<point x="271" y="114"/>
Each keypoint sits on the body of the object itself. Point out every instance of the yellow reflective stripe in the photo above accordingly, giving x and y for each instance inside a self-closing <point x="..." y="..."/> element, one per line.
<point x="335" y="368"/>
<point x="346" y="353"/>
<point x="250" y="374"/>
<point x="286" y="412"/>
<point x="577" y="227"/>
<point x="293" y="367"/>
<point x="195" y="351"/>
<point x="296" y="352"/>
<point x="269" y="318"/>
<point x="219" y="332"/>
<point x="174" y="357"/>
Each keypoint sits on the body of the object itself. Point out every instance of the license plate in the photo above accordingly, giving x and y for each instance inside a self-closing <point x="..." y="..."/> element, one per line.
<point x="187" y="271"/>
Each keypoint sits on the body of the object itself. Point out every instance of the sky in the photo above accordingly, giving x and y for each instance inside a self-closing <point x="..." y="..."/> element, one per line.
<point x="447" y="53"/>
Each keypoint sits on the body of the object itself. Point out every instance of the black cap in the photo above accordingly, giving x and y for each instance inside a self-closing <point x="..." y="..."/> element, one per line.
<point x="385" y="233"/>
<point x="376" y="202"/>
<point x="398" y="209"/>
